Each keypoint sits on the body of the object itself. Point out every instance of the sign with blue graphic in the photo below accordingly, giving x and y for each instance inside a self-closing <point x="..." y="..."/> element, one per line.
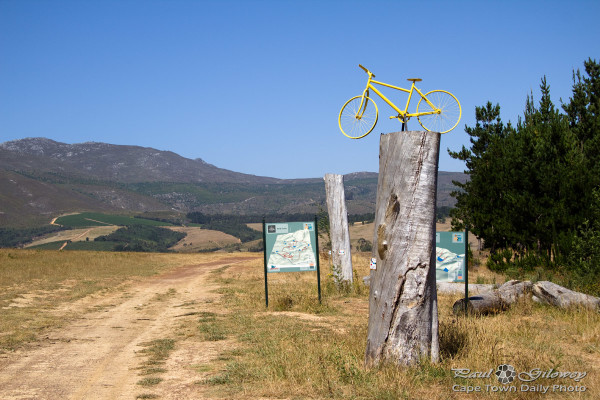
<point x="450" y="250"/>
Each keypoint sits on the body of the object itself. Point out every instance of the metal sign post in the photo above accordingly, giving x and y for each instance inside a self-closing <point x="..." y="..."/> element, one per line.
<point x="265" y="257"/>
<point x="318" y="264"/>
<point x="466" y="270"/>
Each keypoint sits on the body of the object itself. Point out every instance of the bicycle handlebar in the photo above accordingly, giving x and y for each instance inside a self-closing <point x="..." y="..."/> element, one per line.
<point x="367" y="71"/>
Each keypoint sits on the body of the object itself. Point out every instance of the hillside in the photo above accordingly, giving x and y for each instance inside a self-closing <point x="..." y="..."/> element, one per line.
<point x="115" y="163"/>
<point x="41" y="178"/>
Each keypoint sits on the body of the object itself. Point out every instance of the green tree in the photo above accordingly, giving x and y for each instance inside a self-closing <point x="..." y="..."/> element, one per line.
<point x="479" y="200"/>
<point x="583" y="113"/>
<point x="531" y="187"/>
<point x="364" y="245"/>
<point x="553" y="181"/>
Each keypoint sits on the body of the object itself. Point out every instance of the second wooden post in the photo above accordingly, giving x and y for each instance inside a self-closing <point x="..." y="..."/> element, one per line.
<point x="338" y="228"/>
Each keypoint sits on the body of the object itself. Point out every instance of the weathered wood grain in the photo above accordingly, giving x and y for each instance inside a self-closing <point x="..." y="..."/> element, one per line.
<point x="403" y="319"/>
<point x="341" y="253"/>
<point x="494" y="301"/>
<point x="556" y="295"/>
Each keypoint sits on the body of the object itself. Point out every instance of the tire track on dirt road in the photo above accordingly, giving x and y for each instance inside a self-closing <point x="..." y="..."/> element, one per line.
<point x="94" y="357"/>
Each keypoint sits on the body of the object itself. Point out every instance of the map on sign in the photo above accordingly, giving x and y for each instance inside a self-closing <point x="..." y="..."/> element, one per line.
<point x="450" y="256"/>
<point x="290" y="247"/>
<point x="449" y="263"/>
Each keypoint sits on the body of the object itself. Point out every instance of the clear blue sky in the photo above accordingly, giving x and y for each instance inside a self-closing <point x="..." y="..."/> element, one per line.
<point x="256" y="86"/>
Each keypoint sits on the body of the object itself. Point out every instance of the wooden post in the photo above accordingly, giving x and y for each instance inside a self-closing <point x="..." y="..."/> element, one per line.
<point x="403" y="319"/>
<point x="338" y="226"/>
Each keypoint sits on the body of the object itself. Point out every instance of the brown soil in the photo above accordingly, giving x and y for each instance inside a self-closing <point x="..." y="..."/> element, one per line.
<point x="98" y="355"/>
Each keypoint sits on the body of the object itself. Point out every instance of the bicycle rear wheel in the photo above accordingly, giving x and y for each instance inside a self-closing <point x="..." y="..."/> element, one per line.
<point x="357" y="118"/>
<point x="446" y="113"/>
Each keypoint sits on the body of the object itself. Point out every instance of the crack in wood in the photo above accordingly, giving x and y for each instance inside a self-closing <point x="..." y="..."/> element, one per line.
<point x="398" y="300"/>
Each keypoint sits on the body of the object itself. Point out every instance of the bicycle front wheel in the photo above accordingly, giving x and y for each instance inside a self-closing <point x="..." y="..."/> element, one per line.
<point x="357" y="117"/>
<point x="445" y="114"/>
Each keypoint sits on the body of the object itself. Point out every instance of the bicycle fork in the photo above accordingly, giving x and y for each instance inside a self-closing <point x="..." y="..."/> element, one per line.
<point x="363" y="105"/>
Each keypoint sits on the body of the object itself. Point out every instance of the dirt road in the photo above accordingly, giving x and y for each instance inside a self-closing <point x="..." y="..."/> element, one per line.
<point x="98" y="355"/>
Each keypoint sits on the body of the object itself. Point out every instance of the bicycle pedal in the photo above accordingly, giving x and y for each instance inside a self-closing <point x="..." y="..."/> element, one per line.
<point x="394" y="116"/>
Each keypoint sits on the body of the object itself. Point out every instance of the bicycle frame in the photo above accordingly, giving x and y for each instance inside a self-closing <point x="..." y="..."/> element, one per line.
<point x="401" y="114"/>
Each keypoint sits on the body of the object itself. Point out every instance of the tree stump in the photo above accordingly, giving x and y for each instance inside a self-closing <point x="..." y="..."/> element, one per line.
<point x="341" y="254"/>
<point x="494" y="301"/>
<point x="403" y="319"/>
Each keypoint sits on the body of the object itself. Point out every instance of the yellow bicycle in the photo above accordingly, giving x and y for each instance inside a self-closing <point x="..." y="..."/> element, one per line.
<point x="437" y="111"/>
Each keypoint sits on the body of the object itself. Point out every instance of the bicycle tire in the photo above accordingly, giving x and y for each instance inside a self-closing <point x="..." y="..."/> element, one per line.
<point x="448" y="117"/>
<point x="351" y="124"/>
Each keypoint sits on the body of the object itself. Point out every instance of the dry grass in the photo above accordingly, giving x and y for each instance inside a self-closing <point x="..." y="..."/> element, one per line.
<point x="200" y="239"/>
<point x="302" y="349"/>
<point x="34" y="284"/>
<point x="299" y="348"/>
<point x="257" y="226"/>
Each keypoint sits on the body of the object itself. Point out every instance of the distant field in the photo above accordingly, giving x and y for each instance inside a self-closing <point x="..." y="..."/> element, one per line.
<point x="200" y="239"/>
<point x="358" y="231"/>
<point x="91" y="246"/>
<point x="75" y="235"/>
<point x="92" y="225"/>
<point x="257" y="226"/>
<point x="88" y="219"/>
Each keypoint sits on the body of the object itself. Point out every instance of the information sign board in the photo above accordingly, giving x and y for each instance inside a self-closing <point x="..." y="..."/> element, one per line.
<point x="450" y="250"/>
<point x="290" y="246"/>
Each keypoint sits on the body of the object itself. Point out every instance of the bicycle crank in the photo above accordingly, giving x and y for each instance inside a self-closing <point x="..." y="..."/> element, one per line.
<point x="400" y="118"/>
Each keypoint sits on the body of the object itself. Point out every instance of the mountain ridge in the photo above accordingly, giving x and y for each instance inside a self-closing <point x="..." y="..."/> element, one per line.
<point x="41" y="178"/>
<point x="121" y="163"/>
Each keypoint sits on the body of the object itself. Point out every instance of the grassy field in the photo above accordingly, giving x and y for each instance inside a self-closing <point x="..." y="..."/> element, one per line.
<point x="75" y="235"/>
<point x="88" y="219"/>
<point x="35" y="282"/>
<point x="77" y="245"/>
<point x="200" y="239"/>
<point x="298" y="348"/>
<point x="197" y="239"/>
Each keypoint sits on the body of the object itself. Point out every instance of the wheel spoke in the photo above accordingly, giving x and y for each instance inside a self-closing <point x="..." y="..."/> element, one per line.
<point x="449" y="116"/>
<point x="356" y="120"/>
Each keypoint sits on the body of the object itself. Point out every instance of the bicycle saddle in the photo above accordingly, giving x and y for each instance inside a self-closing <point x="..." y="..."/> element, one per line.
<point x="414" y="79"/>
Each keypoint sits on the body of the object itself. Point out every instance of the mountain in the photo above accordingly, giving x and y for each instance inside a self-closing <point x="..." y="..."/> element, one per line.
<point x="124" y="164"/>
<point x="41" y="178"/>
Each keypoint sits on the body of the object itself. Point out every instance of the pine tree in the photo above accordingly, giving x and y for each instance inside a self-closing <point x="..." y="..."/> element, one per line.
<point x="583" y="113"/>
<point x="525" y="185"/>
<point x="479" y="199"/>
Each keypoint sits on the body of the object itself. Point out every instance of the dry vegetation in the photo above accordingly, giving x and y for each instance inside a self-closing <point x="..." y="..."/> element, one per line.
<point x="34" y="284"/>
<point x="297" y="348"/>
<point x="302" y="349"/>
<point x="257" y="226"/>
<point x="200" y="239"/>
